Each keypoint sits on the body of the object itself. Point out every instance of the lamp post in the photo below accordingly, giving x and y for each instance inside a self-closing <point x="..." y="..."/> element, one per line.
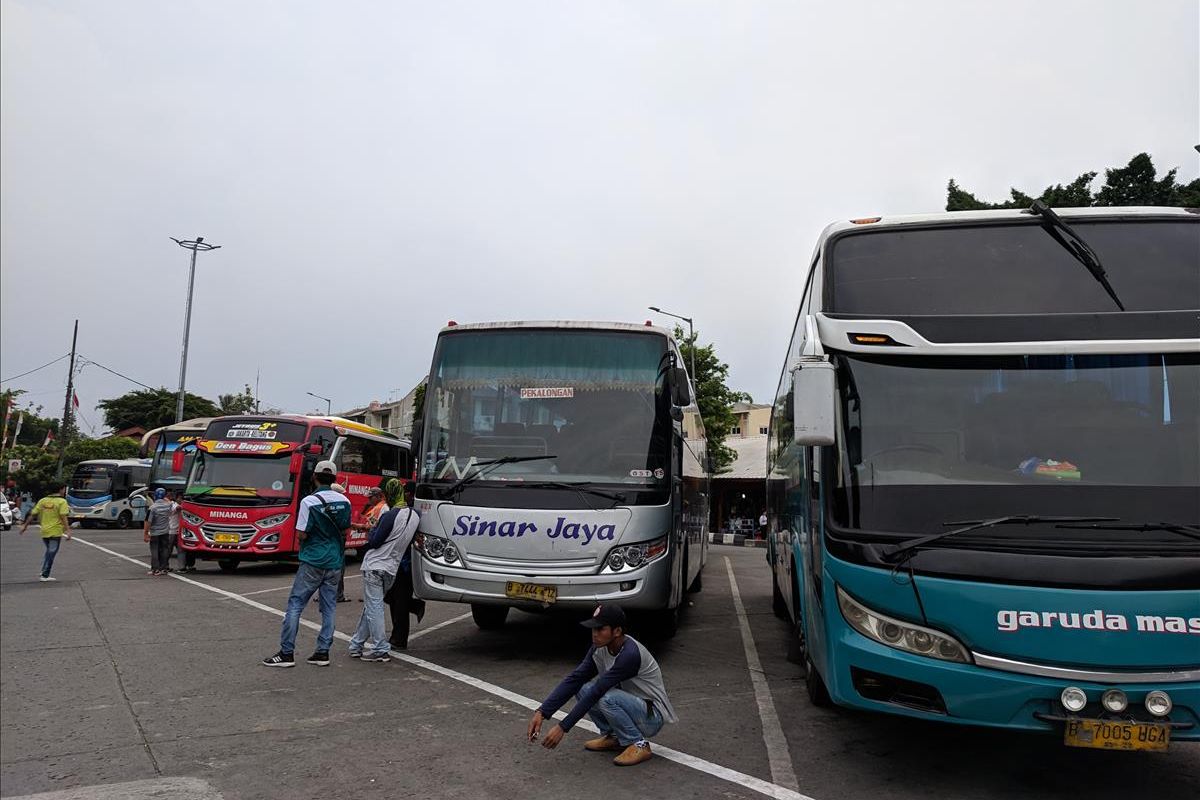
<point x="691" y="334"/>
<point x="196" y="245"/>
<point x="328" y="413"/>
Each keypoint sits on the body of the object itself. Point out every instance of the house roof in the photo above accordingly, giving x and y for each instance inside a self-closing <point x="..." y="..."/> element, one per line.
<point x="751" y="463"/>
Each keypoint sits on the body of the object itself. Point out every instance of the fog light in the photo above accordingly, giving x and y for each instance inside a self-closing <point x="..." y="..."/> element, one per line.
<point x="436" y="578"/>
<point x="627" y="586"/>
<point x="1114" y="700"/>
<point x="1159" y="703"/>
<point x="1073" y="698"/>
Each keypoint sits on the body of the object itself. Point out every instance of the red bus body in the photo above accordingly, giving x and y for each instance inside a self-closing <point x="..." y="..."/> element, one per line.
<point x="250" y="473"/>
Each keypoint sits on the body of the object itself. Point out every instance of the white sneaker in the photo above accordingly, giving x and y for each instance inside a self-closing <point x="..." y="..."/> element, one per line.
<point x="43" y="579"/>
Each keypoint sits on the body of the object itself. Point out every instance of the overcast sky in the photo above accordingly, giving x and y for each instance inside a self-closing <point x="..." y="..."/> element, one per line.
<point x="372" y="170"/>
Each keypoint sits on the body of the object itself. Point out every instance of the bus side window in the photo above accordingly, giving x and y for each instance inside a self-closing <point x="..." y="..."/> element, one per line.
<point x="351" y="458"/>
<point x="404" y="462"/>
<point x="324" y="437"/>
<point x="121" y="483"/>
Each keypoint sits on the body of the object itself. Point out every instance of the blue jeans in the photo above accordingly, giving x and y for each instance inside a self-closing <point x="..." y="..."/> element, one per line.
<point x="371" y="627"/>
<point x="52" y="543"/>
<point x="623" y="715"/>
<point x="309" y="580"/>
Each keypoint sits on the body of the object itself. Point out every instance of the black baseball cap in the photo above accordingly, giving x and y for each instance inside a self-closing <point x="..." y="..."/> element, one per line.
<point x="606" y="614"/>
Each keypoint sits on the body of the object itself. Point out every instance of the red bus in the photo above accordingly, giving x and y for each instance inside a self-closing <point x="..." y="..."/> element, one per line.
<point x="250" y="472"/>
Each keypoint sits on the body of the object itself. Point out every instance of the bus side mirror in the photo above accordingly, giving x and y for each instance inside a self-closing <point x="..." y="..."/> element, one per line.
<point x="316" y="448"/>
<point x="813" y="389"/>
<point x="681" y="393"/>
<point x="296" y="463"/>
<point x="177" y="459"/>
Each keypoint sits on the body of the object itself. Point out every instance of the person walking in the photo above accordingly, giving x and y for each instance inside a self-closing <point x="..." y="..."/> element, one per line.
<point x="53" y="515"/>
<point x="321" y="525"/>
<point x="386" y="546"/>
<point x="400" y="598"/>
<point x="157" y="531"/>
<point x="618" y="685"/>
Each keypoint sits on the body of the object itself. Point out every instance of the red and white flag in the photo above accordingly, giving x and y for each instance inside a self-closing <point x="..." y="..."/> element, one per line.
<point x="49" y="439"/>
<point x="74" y="399"/>
<point x="17" y="432"/>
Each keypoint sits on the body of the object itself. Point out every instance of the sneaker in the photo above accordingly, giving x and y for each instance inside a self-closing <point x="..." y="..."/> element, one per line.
<point x="46" y="578"/>
<point x="376" y="657"/>
<point x="152" y="572"/>
<point x="320" y="658"/>
<point x="280" y="659"/>
<point x="634" y="754"/>
<point x="343" y="599"/>
<point x="356" y="653"/>
<point x="607" y="742"/>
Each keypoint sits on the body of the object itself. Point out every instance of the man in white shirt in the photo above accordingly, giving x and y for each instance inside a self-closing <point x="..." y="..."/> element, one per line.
<point x="386" y="546"/>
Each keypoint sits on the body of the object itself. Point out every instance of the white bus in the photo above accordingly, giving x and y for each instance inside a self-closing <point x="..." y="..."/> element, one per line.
<point x="99" y="492"/>
<point x="553" y="470"/>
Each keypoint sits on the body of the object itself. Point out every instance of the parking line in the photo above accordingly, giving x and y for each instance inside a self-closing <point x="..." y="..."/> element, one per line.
<point x="773" y="737"/>
<point x="766" y="788"/>
<point x="281" y="588"/>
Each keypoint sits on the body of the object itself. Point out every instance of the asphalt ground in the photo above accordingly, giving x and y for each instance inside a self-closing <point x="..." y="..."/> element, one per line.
<point x="116" y="684"/>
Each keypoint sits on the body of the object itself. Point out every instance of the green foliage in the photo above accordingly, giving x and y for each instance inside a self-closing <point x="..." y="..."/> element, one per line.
<point x="89" y="449"/>
<point x="1135" y="184"/>
<point x="152" y="408"/>
<point x="713" y="396"/>
<point x="38" y="466"/>
<point x="419" y="401"/>
<point x="33" y="425"/>
<point x="240" y="403"/>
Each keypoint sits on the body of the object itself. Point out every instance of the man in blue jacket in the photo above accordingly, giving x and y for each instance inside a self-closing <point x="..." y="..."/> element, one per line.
<point x="321" y="525"/>
<point x="618" y="685"/>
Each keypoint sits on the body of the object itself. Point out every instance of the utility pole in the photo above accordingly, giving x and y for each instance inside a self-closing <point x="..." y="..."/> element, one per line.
<point x="194" y="245"/>
<point x="66" y="421"/>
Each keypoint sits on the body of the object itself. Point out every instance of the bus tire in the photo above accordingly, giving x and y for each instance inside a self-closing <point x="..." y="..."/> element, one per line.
<point x="124" y="520"/>
<point x="489" y="618"/>
<point x="778" y="604"/>
<point x="814" y="685"/>
<point x="227" y="564"/>
<point x="664" y="624"/>
<point x="697" y="583"/>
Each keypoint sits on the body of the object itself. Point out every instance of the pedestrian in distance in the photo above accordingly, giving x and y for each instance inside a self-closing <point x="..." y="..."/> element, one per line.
<point x="618" y="685"/>
<point x="400" y="598"/>
<point x="53" y="515"/>
<point x="386" y="547"/>
<point x="157" y="531"/>
<point x="321" y="525"/>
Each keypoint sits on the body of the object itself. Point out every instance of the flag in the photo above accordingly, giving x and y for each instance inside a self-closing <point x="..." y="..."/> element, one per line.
<point x="74" y="399"/>
<point x="17" y="432"/>
<point x="49" y="439"/>
<point x="7" y="414"/>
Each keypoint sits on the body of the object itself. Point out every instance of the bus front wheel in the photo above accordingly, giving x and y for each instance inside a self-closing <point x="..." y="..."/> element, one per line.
<point x="489" y="618"/>
<point x="227" y="564"/>
<point x="818" y="693"/>
<point x="778" y="604"/>
<point x="125" y="520"/>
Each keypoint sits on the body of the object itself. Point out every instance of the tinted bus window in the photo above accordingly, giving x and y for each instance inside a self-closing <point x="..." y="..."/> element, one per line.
<point x="235" y="428"/>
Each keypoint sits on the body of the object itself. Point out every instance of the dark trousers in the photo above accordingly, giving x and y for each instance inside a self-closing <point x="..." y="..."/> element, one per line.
<point x="160" y="551"/>
<point x="401" y="603"/>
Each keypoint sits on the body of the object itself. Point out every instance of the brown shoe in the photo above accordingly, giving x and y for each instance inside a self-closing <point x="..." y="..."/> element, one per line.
<point x="634" y="754"/>
<point x="603" y="743"/>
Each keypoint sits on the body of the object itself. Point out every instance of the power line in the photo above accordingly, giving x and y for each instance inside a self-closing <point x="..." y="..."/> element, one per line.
<point x="43" y="366"/>
<point x="88" y="361"/>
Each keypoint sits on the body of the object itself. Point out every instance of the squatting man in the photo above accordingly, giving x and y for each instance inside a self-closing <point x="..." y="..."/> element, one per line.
<point x="618" y="685"/>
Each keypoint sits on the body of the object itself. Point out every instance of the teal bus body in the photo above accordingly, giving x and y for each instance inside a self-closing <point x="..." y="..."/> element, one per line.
<point x="938" y="427"/>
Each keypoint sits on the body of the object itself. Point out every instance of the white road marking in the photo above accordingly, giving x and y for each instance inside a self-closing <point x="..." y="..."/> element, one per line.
<point x="777" y="747"/>
<point x="716" y="770"/>
<point x="282" y="588"/>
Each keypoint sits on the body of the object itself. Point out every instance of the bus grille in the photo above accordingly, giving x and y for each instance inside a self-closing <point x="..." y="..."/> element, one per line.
<point x="572" y="566"/>
<point x="244" y="532"/>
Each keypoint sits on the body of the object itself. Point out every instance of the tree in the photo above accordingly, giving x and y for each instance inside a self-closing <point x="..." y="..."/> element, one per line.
<point x="33" y="425"/>
<point x="1135" y="184"/>
<point x="89" y="449"/>
<point x="36" y="475"/>
<point x="713" y="396"/>
<point x="152" y="408"/>
<point x="241" y="403"/>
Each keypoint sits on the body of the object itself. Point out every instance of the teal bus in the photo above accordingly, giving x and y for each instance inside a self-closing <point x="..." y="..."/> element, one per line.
<point x="983" y="472"/>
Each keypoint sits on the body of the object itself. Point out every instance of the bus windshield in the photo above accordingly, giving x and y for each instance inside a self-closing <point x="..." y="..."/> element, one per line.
<point x="91" y="480"/>
<point x="162" y="468"/>
<point x="1065" y="434"/>
<point x="258" y="480"/>
<point x="595" y="402"/>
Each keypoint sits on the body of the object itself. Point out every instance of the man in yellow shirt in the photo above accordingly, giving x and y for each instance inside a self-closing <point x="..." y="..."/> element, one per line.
<point x="51" y="511"/>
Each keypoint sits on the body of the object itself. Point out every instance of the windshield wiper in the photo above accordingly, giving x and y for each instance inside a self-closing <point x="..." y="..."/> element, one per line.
<point x="1075" y="245"/>
<point x="905" y="549"/>
<point x="579" y="487"/>
<point x="490" y="466"/>
<point x="1190" y="531"/>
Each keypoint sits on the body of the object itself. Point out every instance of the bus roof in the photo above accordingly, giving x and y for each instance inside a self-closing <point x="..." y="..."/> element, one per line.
<point x="311" y="419"/>
<point x="118" y="462"/>
<point x="866" y="224"/>
<point x="197" y="424"/>
<point x="562" y="324"/>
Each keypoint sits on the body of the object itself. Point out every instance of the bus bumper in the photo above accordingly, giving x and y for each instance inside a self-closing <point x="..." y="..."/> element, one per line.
<point x="867" y="675"/>
<point x="648" y="588"/>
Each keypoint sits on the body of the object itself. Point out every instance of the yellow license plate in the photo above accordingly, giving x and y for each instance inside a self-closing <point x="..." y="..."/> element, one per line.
<point x="226" y="538"/>
<point x="531" y="591"/>
<point x="1114" y="735"/>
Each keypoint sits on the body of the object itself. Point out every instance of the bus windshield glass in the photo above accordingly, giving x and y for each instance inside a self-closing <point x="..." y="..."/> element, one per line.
<point x="91" y="480"/>
<point x="162" y="467"/>
<point x="1013" y="268"/>
<point x="256" y="479"/>
<point x="926" y="440"/>
<point x="596" y="402"/>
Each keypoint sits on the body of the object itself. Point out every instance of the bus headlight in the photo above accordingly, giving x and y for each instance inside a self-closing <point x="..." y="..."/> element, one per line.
<point x="270" y="538"/>
<point x="272" y="521"/>
<point x="899" y="634"/>
<point x="632" y="556"/>
<point x="435" y="548"/>
<point x="1158" y="703"/>
<point x="190" y="518"/>
<point x="1073" y="698"/>
<point x="1114" y="700"/>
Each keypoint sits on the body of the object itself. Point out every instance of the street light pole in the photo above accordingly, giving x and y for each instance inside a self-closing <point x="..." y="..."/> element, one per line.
<point x="328" y="407"/>
<point x="691" y="335"/>
<point x="198" y="244"/>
